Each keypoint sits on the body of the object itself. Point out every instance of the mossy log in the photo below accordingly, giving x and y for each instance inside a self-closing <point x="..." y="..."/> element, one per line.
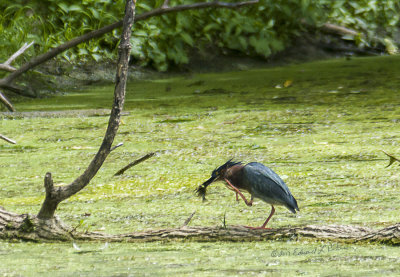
<point x="30" y="228"/>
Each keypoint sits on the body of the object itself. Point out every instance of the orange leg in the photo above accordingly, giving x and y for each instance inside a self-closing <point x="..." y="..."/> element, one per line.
<point x="248" y="203"/>
<point x="266" y="222"/>
<point x="237" y="195"/>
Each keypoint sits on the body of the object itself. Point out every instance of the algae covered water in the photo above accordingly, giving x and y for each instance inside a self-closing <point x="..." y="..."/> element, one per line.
<point x="321" y="126"/>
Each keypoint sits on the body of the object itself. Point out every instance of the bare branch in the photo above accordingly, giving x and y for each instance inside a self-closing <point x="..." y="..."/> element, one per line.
<point x="142" y="159"/>
<point x="7" y="139"/>
<point x="116" y="146"/>
<point x="7" y="65"/>
<point x="6" y="102"/>
<point x="19" y="52"/>
<point x="338" y="30"/>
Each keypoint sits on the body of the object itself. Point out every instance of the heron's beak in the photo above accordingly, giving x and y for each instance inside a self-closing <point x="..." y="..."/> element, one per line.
<point x="208" y="182"/>
<point x="202" y="189"/>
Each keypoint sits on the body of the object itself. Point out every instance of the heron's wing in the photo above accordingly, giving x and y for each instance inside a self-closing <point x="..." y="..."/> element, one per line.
<point x="265" y="177"/>
<point x="268" y="186"/>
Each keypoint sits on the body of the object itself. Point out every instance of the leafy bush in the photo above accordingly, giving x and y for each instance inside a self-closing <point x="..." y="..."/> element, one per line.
<point x="258" y="30"/>
<point x="51" y="23"/>
<point x="377" y="21"/>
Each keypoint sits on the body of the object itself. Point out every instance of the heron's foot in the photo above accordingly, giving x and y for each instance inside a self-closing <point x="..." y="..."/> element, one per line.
<point x="249" y="203"/>
<point x="257" y="228"/>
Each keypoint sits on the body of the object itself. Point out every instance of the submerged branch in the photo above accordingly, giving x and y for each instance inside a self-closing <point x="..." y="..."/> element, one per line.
<point x="392" y="159"/>
<point x="188" y="219"/>
<point x="142" y="159"/>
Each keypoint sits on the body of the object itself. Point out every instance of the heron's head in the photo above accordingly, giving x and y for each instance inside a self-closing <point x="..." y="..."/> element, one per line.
<point x="217" y="174"/>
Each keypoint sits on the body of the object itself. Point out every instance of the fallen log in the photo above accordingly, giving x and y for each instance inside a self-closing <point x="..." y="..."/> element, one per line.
<point x="30" y="228"/>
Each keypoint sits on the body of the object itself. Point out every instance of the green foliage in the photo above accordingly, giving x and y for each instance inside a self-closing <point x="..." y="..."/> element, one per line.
<point x="377" y="22"/>
<point x="260" y="30"/>
<point x="257" y="30"/>
<point x="51" y="23"/>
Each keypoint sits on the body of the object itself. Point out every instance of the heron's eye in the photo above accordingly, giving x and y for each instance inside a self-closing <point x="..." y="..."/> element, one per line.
<point x="215" y="174"/>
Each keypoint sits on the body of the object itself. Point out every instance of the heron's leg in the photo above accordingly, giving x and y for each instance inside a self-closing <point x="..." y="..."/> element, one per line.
<point x="265" y="223"/>
<point x="248" y="203"/>
<point x="237" y="195"/>
<point x="269" y="217"/>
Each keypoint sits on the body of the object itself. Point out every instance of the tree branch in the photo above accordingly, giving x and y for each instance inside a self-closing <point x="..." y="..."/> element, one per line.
<point x="19" y="52"/>
<point x="6" y="102"/>
<point x="7" y="65"/>
<point x="7" y="139"/>
<point x="338" y="30"/>
<point x="116" y="146"/>
<point x="55" y="195"/>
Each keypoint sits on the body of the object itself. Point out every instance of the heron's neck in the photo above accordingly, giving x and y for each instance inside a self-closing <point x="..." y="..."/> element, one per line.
<point x="233" y="174"/>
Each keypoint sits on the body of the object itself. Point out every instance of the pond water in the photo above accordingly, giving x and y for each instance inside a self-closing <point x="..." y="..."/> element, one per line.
<point x="287" y="258"/>
<point x="321" y="126"/>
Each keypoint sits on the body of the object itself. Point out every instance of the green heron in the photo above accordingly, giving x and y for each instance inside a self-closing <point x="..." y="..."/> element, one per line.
<point x="257" y="179"/>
